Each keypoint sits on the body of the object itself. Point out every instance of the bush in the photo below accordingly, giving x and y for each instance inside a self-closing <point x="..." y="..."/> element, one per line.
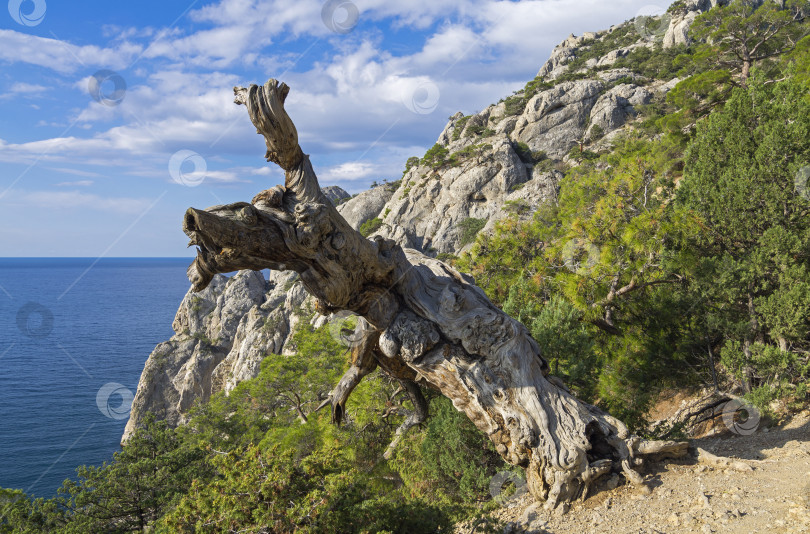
<point x="324" y="492"/>
<point x="412" y="162"/>
<point x="469" y="228"/>
<point x="435" y="157"/>
<point x="514" y="105"/>
<point x="578" y="154"/>
<point x="452" y="460"/>
<point x="459" y="127"/>
<point x="596" y="133"/>
<point x="370" y="226"/>
<point x="480" y="130"/>
<point x="527" y="155"/>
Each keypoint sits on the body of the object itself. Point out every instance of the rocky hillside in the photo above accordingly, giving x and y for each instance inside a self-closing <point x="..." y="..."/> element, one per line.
<point x="507" y="158"/>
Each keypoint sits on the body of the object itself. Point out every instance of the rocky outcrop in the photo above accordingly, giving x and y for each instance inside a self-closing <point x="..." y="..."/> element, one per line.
<point x="555" y="119"/>
<point x="429" y="209"/>
<point x="564" y="53"/>
<point x="683" y="17"/>
<point x="221" y="336"/>
<point x="263" y="330"/>
<point x="335" y="193"/>
<point x="366" y="205"/>
<point x="615" y="107"/>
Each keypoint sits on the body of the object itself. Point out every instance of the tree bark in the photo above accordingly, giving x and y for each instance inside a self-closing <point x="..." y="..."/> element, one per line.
<point x="423" y="321"/>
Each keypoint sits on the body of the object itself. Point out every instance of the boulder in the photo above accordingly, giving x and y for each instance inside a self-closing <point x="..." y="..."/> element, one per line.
<point x="555" y="119"/>
<point x="613" y="109"/>
<point x="366" y="205"/>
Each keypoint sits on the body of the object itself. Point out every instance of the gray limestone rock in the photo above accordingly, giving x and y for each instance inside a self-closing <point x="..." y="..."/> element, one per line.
<point x="221" y="335"/>
<point x="615" y="107"/>
<point x="678" y="31"/>
<point x="335" y="193"/>
<point x="555" y="119"/>
<point x="366" y="205"/>
<point x="426" y="210"/>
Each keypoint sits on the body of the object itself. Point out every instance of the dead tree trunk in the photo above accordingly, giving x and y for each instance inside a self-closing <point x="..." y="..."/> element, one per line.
<point x="423" y="321"/>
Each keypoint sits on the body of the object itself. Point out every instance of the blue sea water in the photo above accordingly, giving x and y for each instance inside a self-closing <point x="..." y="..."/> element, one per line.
<point x="74" y="336"/>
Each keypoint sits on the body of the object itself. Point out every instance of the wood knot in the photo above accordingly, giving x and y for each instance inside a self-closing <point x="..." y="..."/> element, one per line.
<point x="338" y="241"/>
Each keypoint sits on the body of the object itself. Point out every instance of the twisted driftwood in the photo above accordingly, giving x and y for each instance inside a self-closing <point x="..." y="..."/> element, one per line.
<point x="422" y="321"/>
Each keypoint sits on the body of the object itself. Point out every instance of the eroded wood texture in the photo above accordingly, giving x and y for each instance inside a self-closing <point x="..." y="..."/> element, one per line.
<point x="423" y="321"/>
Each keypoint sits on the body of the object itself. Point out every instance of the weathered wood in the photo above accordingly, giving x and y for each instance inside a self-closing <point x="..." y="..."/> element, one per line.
<point x="424" y="322"/>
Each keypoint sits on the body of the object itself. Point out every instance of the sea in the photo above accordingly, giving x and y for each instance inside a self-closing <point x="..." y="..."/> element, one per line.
<point x="75" y="334"/>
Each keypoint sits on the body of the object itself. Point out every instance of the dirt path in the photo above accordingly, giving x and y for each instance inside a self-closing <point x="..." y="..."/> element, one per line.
<point x="687" y="497"/>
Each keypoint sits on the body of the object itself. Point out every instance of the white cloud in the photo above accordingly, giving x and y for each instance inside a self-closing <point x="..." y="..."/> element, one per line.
<point x="61" y="56"/>
<point x="227" y="176"/>
<point x="23" y="89"/>
<point x="350" y="171"/>
<point x="71" y="200"/>
<point x="79" y="183"/>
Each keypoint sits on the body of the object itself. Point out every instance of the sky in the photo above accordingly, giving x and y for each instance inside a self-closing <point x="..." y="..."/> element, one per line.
<point x="115" y="117"/>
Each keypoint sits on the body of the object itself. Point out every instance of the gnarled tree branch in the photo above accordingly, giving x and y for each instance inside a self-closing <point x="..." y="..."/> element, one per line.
<point x="424" y="322"/>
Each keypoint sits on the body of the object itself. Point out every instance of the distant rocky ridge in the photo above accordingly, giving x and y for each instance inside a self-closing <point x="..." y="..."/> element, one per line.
<point x="504" y="159"/>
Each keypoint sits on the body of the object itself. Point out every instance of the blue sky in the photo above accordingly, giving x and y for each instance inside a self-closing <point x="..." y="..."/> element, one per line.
<point x="117" y="116"/>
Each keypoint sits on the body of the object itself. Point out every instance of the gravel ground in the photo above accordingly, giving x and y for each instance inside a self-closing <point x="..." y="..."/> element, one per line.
<point x="683" y="496"/>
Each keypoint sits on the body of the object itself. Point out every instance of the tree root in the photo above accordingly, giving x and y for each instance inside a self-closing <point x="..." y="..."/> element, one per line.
<point x="707" y="458"/>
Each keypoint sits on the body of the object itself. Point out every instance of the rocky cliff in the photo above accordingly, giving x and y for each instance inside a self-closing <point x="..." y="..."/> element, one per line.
<point x="508" y="158"/>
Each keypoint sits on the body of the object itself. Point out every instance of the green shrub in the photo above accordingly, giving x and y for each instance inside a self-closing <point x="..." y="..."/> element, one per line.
<point x="459" y="127"/>
<point x="321" y="493"/>
<point x="514" y="105"/>
<point x="435" y="157"/>
<point x="412" y="162"/>
<point x="469" y="228"/>
<point x="451" y="460"/>
<point x="578" y="154"/>
<point x="517" y="207"/>
<point x="370" y="226"/>
<point x="528" y="155"/>
<point x="545" y="165"/>
<point x="481" y="130"/>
